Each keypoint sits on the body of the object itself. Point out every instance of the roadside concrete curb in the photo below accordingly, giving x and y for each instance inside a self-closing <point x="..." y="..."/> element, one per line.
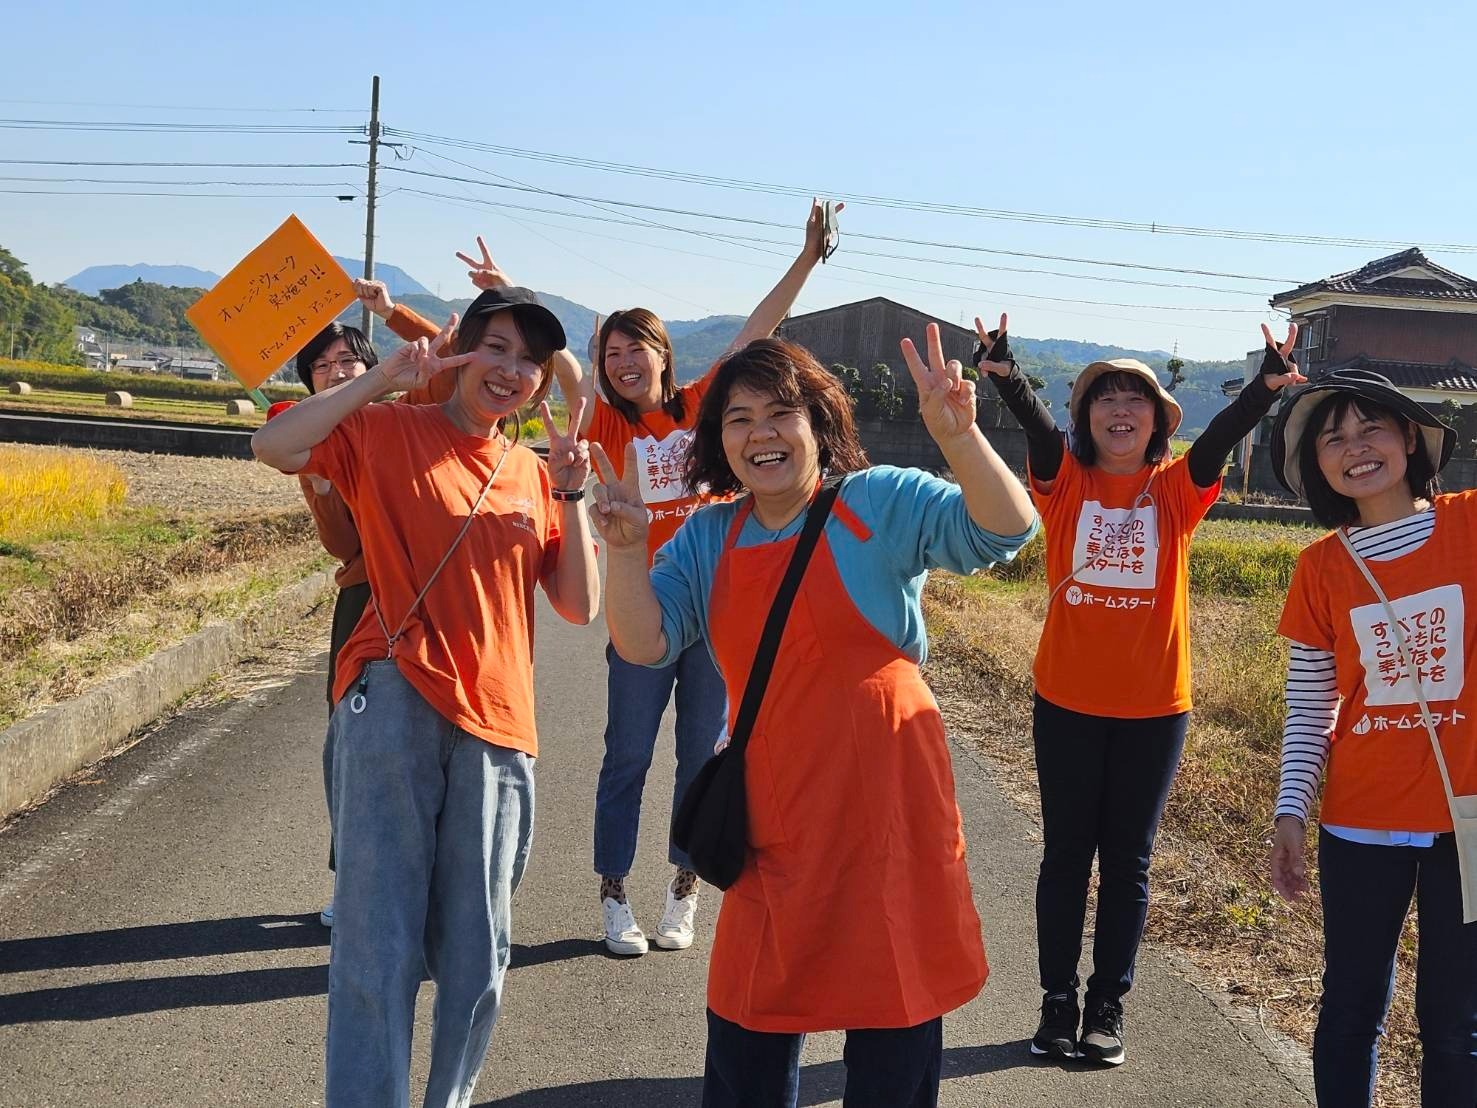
<point x="42" y="750"/>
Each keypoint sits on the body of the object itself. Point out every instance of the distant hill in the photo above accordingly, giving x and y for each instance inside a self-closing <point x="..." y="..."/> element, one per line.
<point x="396" y="279"/>
<point x="95" y="278"/>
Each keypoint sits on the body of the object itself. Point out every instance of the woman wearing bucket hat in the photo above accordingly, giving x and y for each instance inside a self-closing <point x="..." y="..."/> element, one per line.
<point x="434" y="730"/>
<point x="1112" y="670"/>
<point x="1380" y="690"/>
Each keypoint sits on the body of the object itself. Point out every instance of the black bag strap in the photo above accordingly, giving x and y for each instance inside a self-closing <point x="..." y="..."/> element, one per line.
<point x="779" y="613"/>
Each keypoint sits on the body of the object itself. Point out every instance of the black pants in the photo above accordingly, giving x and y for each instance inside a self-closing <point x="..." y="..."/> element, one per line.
<point x="885" y="1067"/>
<point x="350" y="605"/>
<point x="1103" y="783"/>
<point x="1367" y="892"/>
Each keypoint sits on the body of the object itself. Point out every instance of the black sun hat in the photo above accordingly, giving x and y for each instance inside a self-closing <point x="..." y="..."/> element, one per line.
<point x="1437" y="439"/>
<point x="526" y="309"/>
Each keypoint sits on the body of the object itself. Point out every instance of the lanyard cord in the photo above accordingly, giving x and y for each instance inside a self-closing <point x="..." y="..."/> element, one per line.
<point x="390" y="639"/>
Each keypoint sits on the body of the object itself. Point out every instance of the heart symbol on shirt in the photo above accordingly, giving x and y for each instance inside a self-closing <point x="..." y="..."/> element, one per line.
<point x="1438" y="652"/>
<point x="1138" y="551"/>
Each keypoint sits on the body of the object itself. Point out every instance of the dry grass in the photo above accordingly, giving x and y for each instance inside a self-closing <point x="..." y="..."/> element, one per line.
<point x="1211" y="897"/>
<point x="41" y="493"/>
<point x="83" y="595"/>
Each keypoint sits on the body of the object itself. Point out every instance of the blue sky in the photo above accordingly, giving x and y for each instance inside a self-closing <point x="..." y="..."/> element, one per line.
<point x="1343" y="119"/>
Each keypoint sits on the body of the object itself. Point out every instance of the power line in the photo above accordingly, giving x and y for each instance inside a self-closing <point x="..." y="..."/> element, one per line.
<point x="201" y="195"/>
<point x="135" y="181"/>
<point x="736" y="239"/>
<point x="965" y="288"/>
<point x="899" y="240"/>
<point x="176" y="107"/>
<point x="442" y="198"/>
<point x="178" y="128"/>
<point x="924" y="205"/>
<point x="187" y="165"/>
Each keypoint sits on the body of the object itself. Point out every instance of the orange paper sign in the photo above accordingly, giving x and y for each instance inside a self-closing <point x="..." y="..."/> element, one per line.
<point x="267" y="308"/>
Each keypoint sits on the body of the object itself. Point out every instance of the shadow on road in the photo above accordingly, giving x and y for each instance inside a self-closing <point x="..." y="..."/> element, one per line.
<point x="202" y="938"/>
<point x="163" y="941"/>
<point x="819" y="1084"/>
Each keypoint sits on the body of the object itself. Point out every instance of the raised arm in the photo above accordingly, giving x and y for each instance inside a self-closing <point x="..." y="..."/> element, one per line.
<point x="996" y="501"/>
<point x="574" y="586"/>
<point x="286" y="442"/>
<point x="1209" y="453"/>
<point x="632" y="611"/>
<point x="1044" y="446"/>
<point x="777" y="304"/>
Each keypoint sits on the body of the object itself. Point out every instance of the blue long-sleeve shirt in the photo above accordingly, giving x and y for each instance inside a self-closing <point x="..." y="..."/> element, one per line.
<point x="918" y="522"/>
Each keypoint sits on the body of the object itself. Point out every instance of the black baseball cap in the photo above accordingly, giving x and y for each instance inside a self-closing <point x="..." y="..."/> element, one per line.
<point x="1437" y="440"/>
<point x="532" y="317"/>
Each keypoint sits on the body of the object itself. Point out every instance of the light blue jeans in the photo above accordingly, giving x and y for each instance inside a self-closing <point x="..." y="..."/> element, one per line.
<point x="636" y="698"/>
<point x="433" y="828"/>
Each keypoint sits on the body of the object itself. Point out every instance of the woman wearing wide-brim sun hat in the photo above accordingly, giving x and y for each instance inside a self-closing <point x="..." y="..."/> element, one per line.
<point x="1381" y="691"/>
<point x="1112" y="672"/>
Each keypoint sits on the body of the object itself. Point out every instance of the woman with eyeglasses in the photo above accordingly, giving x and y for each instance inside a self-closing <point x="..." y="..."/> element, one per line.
<point x="1112" y="671"/>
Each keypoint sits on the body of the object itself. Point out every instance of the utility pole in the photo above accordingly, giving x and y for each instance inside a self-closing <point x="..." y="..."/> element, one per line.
<point x="367" y="321"/>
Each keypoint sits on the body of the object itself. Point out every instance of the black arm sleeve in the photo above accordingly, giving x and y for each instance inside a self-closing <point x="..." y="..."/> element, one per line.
<point x="1044" y="445"/>
<point x="1208" y="453"/>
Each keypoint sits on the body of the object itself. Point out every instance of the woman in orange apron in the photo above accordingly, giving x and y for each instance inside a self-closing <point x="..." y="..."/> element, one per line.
<point x="854" y="910"/>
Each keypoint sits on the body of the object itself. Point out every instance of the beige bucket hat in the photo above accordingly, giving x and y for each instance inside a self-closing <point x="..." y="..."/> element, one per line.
<point x="1172" y="411"/>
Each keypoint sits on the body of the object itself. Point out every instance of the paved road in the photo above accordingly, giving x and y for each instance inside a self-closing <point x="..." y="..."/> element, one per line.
<point x="159" y="944"/>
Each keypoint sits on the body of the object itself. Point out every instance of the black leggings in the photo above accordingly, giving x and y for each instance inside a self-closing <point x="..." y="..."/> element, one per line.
<point x="1103" y="783"/>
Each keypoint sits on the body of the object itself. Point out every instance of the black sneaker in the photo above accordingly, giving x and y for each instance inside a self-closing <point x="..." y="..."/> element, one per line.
<point x="1057" y="1035"/>
<point x="1102" y="1033"/>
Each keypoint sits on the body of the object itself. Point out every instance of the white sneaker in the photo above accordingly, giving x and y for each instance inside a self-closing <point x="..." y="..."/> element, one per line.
<point x="622" y="935"/>
<point x="325" y="917"/>
<point x="675" y="930"/>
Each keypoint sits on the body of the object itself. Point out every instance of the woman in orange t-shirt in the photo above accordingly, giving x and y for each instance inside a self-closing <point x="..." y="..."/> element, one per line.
<point x="434" y="725"/>
<point x="1112" y="670"/>
<point x="1366" y="457"/>
<point x="643" y="404"/>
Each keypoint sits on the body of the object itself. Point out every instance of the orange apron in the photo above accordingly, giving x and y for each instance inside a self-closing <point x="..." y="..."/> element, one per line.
<point x="854" y="908"/>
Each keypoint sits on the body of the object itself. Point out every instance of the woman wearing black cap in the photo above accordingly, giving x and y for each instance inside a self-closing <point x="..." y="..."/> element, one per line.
<point x="434" y="727"/>
<point x="1380" y="682"/>
<point x="1112" y="670"/>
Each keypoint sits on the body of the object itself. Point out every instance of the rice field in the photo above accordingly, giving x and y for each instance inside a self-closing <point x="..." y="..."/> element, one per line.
<point x="41" y="494"/>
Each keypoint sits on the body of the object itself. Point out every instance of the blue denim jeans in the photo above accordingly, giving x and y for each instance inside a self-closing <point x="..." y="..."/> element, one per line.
<point x="1104" y="782"/>
<point x="637" y="696"/>
<point x="1366" y="894"/>
<point x="434" y="827"/>
<point x="885" y="1067"/>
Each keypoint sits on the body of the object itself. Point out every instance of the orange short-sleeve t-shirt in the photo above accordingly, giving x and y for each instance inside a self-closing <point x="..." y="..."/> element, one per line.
<point x="661" y="452"/>
<point x="409" y="476"/>
<point x="1117" y="639"/>
<point x="1382" y="773"/>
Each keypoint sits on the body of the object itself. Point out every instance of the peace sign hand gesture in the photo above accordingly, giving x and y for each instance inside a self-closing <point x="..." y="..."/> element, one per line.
<point x="484" y="274"/>
<point x="945" y="396"/>
<point x="999" y="369"/>
<point x="620" y="513"/>
<point x="569" y="455"/>
<point x="415" y="363"/>
<point x="1278" y="368"/>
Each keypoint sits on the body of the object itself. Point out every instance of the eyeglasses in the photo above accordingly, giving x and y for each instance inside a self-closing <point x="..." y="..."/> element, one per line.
<point x="344" y="364"/>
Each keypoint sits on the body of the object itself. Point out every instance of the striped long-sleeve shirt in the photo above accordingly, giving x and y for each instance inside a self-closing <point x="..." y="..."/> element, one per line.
<point x="1312" y="693"/>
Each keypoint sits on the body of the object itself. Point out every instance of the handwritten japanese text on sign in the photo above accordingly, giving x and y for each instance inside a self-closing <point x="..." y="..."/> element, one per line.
<point x="267" y="308"/>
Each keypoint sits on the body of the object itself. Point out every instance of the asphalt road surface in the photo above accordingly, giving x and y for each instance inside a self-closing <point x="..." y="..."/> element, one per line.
<point x="159" y="942"/>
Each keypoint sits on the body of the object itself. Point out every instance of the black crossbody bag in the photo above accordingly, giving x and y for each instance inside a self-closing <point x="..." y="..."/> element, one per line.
<point x="712" y="823"/>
